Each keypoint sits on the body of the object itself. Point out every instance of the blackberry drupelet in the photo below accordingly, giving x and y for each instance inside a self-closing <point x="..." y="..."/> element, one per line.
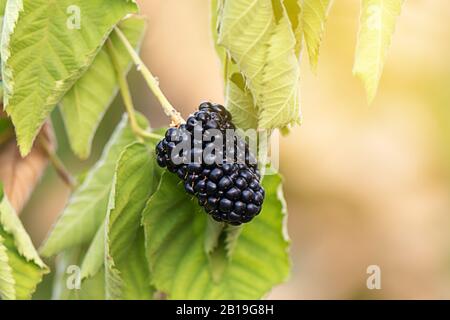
<point x="223" y="177"/>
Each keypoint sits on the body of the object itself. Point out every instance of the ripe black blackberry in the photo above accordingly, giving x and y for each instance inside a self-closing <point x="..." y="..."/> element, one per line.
<point x="224" y="177"/>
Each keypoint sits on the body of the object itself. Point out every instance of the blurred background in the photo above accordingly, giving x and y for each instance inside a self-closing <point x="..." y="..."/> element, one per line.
<point x="365" y="185"/>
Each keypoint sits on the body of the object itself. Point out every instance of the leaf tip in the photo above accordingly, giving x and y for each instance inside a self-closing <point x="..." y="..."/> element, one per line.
<point x="370" y="86"/>
<point x="25" y="140"/>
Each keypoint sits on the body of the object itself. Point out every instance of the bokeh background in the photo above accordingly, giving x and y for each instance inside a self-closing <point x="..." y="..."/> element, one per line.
<point x="365" y="185"/>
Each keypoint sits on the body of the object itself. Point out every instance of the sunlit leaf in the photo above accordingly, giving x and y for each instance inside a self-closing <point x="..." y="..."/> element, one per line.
<point x="278" y="100"/>
<point x="238" y="98"/>
<point x="2" y="12"/>
<point x="95" y="255"/>
<point x="239" y="102"/>
<point x="175" y="241"/>
<point x="213" y="232"/>
<point x="21" y="268"/>
<point x="136" y="178"/>
<point x="66" y="281"/>
<point x="314" y="17"/>
<point x="86" y="102"/>
<point x="44" y="51"/>
<point x="294" y="12"/>
<point x="2" y="7"/>
<point x="377" y="25"/>
<point x="260" y="39"/>
<point x="87" y="206"/>
<point x="216" y="16"/>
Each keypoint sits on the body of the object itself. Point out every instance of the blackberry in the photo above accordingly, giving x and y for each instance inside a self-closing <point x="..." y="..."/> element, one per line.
<point x="218" y="169"/>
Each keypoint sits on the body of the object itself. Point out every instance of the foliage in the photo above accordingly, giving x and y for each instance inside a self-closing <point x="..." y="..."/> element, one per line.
<point x="130" y="227"/>
<point x="87" y="207"/>
<point x="42" y="57"/>
<point x="182" y="267"/>
<point x="86" y="102"/>
<point x="21" y="268"/>
<point x="260" y="42"/>
<point x="127" y="274"/>
<point x="377" y="25"/>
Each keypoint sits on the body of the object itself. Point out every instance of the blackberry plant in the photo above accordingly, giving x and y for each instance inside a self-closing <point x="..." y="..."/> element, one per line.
<point x="133" y="227"/>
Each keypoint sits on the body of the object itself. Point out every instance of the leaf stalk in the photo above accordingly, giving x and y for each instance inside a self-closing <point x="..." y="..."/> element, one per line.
<point x="126" y="96"/>
<point x="152" y="82"/>
<point x="57" y="164"/>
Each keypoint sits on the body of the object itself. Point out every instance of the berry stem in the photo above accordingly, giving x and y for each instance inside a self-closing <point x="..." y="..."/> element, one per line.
<point x="152" y="83"/>
<point x="126" y="96"/>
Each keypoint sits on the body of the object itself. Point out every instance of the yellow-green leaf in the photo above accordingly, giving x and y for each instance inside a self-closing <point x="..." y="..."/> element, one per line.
<point x="86" y="209"/>
<point x="314" y="17"/>
<point x="239" y="102"/>
<point x="136" y="178"/>
<point x="84" y="105"/>
<point x="89" y="289"/>
<point x="2" y="12"/>
<point x="294" y="12"/>
<point x="21" y="268"/>
<point x="278" y="101"/>
<point x="216" y="14"/>
<point x="2" y="7"/>
<point x="260" y="39"/>
<point x="94" y="258"/>
<point x="7" y="283"/>
<point x="377" y="25"/>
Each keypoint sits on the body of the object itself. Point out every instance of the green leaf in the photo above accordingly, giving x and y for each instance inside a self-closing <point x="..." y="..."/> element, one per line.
<point x="42" y="57"/>
<point x="314" y="18"/>
<point x="21" y="268"/>
<point x="279" y="99"/>
<point x="245" y="30"/>
<point x="2" y="13"/>
<point x="127" y="273"/>
<point x="7" y="283"/>
<point x="216" y="17"/>
<point x="86" y="209"/>
<point x="90" y="289"/>
<point x="259" y="37"/>
<point x="213" y="231"/>
<point x="218" y="262"/>
<point x="232" y="236"/>
<point x="377" y="25"/>
<point x="238" y="98"/>
<point x="239" y="102"/>
<point x="175" y="239"/>
<point x="2" y="7"/>
<point x="94" y="259"/>
<point x="294" y="12"/>
<point x="83" y="107"/>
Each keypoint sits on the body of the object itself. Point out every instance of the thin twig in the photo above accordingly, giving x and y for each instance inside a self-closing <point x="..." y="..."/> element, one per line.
<point x="152" y="83"/>
<point x="57" y="164"/>
<point x="126" y="96"/>
<point x="124" y="89"/>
